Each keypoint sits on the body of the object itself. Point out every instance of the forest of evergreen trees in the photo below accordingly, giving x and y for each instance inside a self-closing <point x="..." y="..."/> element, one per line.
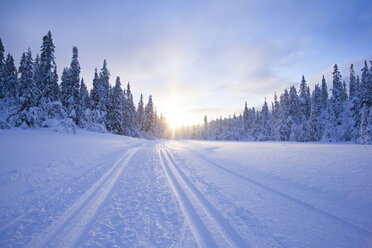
<point x="342" y="115"/>
<point x="32" y="97"/>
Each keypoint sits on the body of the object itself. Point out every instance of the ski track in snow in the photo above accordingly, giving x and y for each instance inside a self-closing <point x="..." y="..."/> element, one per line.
<point x="171" y="194"/>
<point x="345" y="234"/>
<point x="68" y="231"/>
<point x="231" y="236"/>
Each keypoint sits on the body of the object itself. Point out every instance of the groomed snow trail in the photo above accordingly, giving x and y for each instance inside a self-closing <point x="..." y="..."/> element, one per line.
<point x="72" y="225"/>
<point x="200" y="231"/>
<point x="93" y="190"/>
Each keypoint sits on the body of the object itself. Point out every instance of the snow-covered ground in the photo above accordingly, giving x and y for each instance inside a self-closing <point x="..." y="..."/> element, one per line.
<point x="102" y="190"/>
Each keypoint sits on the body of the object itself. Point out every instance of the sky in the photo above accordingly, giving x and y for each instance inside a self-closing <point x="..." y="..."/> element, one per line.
<point x="197" y="58"/>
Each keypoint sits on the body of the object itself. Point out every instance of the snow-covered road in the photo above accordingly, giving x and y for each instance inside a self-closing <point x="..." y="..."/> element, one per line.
<point x="96" y="190"/>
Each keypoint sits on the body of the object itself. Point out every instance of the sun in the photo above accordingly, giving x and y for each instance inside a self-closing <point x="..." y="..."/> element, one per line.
<point x="175" y="119"/>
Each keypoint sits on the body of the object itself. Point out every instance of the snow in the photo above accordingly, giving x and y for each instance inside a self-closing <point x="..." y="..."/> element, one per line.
<point x="101" y="190"/>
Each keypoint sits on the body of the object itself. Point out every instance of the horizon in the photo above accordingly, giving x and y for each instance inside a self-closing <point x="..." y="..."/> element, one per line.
<point x="198" y="59"/>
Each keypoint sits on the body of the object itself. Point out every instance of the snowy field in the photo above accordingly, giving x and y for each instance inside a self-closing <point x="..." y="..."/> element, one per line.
<point x="102" y="190"/>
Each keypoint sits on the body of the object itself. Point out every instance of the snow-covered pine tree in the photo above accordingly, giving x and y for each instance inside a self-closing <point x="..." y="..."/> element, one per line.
<point x="355" y="103"/>
<point x="315" y="127"/>
<point x="2" y="62"/>
<point x="36" y="76"/>
<point x="74" y="79"/>
<point x="353" y="87"/>
<point x="365" y="136"/>
<point x="295" y="115"/>
<point x="65" y="93"/>
<point x="285" y="119"/>
<point x="276" y="118"/>
<point x="366" y="86"/>
<point x="129" y="112"/>
<point x="205" y="128"/>
<point x="140" y="118"/>
<point x="115" y="114"/>
<point x="304" y="97"/>
<point x="337" y="101"/>
<point x="104" y="89"/>
<point x="10" y="81"/>
<point x="28" y="92"/>
<point x="324" y="91"/>
<point x="246" y="118"/>
<point x="94" y="93"/>
<point x="305" y="107"/>
<point x="266" y="128"/>
<point x="149" y="125"/>
<point x="47" y="80"/>
<point x="84" y="103"/>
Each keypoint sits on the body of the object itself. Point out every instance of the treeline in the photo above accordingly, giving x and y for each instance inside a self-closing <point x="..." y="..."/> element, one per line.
<point x="299" y="115"/>
<point x="32" y="96"/>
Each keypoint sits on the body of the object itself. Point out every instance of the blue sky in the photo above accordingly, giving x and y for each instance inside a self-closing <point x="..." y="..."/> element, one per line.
<point x="197" y="57"/>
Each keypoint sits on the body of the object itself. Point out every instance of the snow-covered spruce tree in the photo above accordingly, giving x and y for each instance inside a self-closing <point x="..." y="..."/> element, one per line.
<point x="84" y="104"/>
<point x="315" y="127"/>
<point x="115" y="114"/>
<point x="94" y="96"/>
<point x="285" y="119"/>
<point x="353" y="86"/>
<point x="265" y="123"/>
<point x="129" y="111"/>
<point x="140" y="118"/>
<point x="276" y="120"/>
<point x="337" y="101"/>
<point x="324" y="91"/>
<point x="104" y="92"/>
<point x="2" y="62"/>
<point x="246" y="118"/>
<point x="149" y="124"/>
<point x="74" y="79"/>
<point x="295" y="116"/>
<point x="205" y="128"/>
<point x="345" y="97"/>
<point x="10" y="81"/>
<point x="70" y="84"/>
<point x="366" y="85"/>
<point x="365" y="136"/>
<point x="305" y="106"/>
<point x="47" y="79"/>
<point x="28" y="113"/>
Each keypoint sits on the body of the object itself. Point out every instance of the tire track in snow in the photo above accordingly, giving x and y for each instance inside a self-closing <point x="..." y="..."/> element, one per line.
<point x="230" y="235"/>
<point x="75" y="222"/>
<point x="282" y="195"/>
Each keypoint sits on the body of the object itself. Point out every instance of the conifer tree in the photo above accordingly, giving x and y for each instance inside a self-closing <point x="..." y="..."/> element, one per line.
<point x="140" y="116"/>
<point x="337" y="96"/>
<point x="74" y="80"/>
<point x="353" y="87"/>
<point x="365" y="136"/>
<point x="104" y="88"/>
<point x="27" y="90"/>
<point x="130" y="112"/>
<point x="10" y="82"/>
<point x="315" y="128"/>
<point x="116" y="109"/>
<point x="2" y="63"/>
<point x="94" y="93"/>
<point x="47" y="78"/>
<point x="149" y="125"/>
<point x="324" y="91"/>
<point x="84" y="103"/>
<point x="304" y="98"/>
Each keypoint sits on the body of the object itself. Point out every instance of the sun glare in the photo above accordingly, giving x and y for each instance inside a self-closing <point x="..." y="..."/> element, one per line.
<point x="174" y="119"/>
<point x="174" y="115"/>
